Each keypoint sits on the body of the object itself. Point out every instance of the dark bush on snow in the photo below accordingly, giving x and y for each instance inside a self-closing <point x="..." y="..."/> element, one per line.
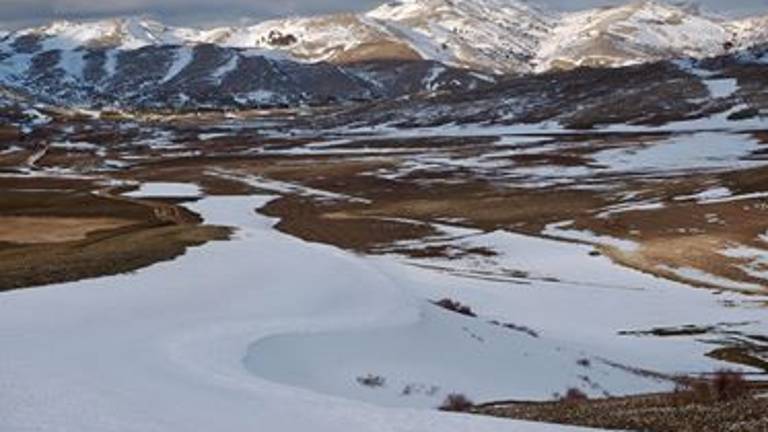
<point x="455" y="306"/>
<point x="371" y="380"/>
<point x="456" y="402"/>
<point x="724" y="385"/>
<point x="574" y="395"/>
<point x="729" y="385"/>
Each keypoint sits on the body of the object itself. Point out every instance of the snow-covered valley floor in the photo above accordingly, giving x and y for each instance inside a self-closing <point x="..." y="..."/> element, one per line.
<point x="267" y="332"/>
<point x="163" y="349"/>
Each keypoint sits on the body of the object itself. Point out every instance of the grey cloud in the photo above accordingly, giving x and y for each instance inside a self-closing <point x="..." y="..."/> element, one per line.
<point x="22" y="12"/>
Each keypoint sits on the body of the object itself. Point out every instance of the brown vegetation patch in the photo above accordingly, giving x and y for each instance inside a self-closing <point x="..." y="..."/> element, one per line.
<point x="57" y="236"/>
<point x="682" y="411"/>
<point x="99" y="255"/>
<point x="304" y="218"/>
<point x="30" y="230"/>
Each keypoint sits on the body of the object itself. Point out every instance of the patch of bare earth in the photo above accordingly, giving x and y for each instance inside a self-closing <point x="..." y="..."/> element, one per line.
<point x="33" y="230"/>
<point x="59" y="236"/>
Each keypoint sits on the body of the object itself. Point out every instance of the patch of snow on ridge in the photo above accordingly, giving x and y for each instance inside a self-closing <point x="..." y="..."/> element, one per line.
<point x="285" y="187"/>
<point x="166" y="190"/>
<point x="225" y="69"/>
<point x="434" y="73"/>
<point x="714" y="193"/>
<point x="73" y="64"/>
<point x="718" y="87"/>
<point x="722" y="87"/>
<point x="756" y="260"/>
<point x="705" y="150"/>
<point x="559" y="230"/>
<point x="183" y="57"/>
<point x="700" y="277"/>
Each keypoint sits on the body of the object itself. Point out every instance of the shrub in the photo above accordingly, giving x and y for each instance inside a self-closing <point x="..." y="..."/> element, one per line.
<point x="574" y="395"/>
<point x="373" y="381"/>
<point x="728" y="385"/>
<point x="456" y="402"/>
<point x="455" y="306"/>
<point x="723" y="385"/>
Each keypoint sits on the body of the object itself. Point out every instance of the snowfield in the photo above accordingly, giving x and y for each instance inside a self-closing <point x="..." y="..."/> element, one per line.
<point x="163" y="349"/>
<point x="267" y="331"/>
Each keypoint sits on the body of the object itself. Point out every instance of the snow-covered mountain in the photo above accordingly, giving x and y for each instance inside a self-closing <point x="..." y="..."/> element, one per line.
<point x="142" y="63"/>
<point x="637" y="32"/>
<point x="749" y="31"/>
<point x="414" y="45"/>
<point x="502" y="36"/>
<point x="497" y="35"/>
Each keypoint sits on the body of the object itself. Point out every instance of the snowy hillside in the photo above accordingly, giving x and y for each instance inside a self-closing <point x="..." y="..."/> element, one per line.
<point x="415" y="46"/>
<point x="497" y="35"/>
<point x="490" y="35"/>
<point x="750" y="31"/>
<point x="634" y="33"/>
<point x="122" y="33"/>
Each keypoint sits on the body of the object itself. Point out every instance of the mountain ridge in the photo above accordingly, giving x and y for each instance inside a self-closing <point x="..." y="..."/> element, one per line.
<point x="397" y="49"/>
<point x="497" y="36"/>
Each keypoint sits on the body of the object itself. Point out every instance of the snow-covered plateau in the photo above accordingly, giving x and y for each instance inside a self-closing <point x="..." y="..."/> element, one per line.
<point x="268" y="331"/>
<point x="178" y="346"/>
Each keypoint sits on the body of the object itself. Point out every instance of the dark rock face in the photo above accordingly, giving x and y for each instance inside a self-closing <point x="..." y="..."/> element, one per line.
<point x="208" y="75"/>
<point x="650" y="95"/>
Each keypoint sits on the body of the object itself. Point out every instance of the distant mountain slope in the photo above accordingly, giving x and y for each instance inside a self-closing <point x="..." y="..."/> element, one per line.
<point x="402" y="47"/>
<point x="505" y="36"/>
<point x="635" y="33"/>
<point x="496" y="35"/>
<point x="115" y="64"/>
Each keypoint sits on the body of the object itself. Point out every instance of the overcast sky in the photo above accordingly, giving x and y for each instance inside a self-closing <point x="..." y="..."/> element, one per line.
<point x="14" y="13"/>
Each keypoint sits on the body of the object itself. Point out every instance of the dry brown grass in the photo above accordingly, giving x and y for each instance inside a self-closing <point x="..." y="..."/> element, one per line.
<point x="57" y="236"/>
<point x="31" y="230"/>
<point x="653" y="413"/>
<point x="456" y="402"/>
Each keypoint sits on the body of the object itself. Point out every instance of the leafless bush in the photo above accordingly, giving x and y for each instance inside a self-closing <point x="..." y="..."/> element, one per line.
<point x="574" y="395"/>
<point x="455" y="306"/>
<point x="729" y="385"/>
<point x="373" y="381"/>
<point x="456" y="402"/>
<point x="723" y="385"/>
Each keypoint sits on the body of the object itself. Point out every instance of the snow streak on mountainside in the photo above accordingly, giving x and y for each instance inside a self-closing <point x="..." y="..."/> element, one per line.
<point x="141" y="63"/>
<point x="492" y="35"/>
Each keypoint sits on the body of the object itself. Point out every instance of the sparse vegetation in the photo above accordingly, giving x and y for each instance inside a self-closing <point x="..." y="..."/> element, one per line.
<point x="721" y="402"/>
<point x="372" y="381"/>
<point x="457" y="402"/>
<point x="724" y="385"/>
<point x="574" y="395"/>
<point x="455" y="306"/>
<point x="516" y="327"/>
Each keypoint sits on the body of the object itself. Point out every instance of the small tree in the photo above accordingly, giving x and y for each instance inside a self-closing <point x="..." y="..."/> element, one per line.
<point x="574" y="395"/>
<point x="728" y="385"/>
<point x="457" y="402"/>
